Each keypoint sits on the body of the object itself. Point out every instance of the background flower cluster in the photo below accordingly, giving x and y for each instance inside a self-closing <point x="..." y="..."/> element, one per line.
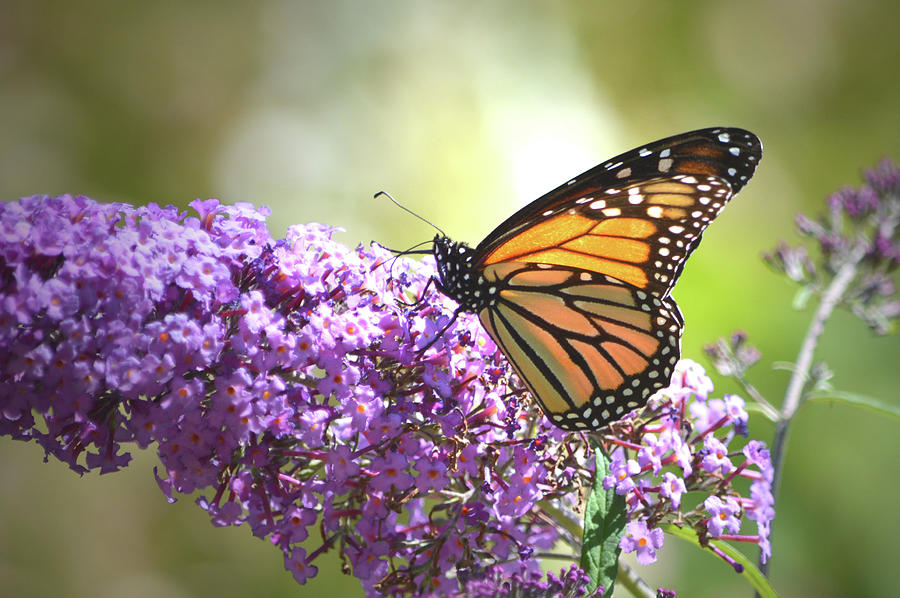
<point x="286" y="381"/>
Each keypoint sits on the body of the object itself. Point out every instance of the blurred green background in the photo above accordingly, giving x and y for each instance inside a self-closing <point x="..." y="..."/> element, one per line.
<point x="464" y="111"/>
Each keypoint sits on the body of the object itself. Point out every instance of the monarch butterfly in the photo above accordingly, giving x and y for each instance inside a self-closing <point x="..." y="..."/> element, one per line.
<point x="574" y="287"/>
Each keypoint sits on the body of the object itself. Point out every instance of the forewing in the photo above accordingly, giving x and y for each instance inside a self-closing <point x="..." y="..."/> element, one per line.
<point x="636" y="217"/>
<point x="589" y="347"/>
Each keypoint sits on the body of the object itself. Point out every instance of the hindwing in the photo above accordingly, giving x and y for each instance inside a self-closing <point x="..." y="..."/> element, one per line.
<point x="589" y="347"/>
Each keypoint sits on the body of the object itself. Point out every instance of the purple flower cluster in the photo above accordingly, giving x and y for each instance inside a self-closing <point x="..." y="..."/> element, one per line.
<point x="285" y="380"/>
<point x="679" y="444"/>
<point x="571" y="583"/>
<point x="859" y="230"/>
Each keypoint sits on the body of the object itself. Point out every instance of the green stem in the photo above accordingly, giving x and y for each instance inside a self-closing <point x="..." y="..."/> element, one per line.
<point x="794" y="395"/>
<point x="629" y="578"/>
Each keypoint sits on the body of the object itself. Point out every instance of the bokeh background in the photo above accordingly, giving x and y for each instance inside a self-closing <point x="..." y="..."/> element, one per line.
<point x="464" y="111"/>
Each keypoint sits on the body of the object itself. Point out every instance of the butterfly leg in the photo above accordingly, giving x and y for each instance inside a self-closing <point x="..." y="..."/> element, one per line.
<point x="439" y="334"/>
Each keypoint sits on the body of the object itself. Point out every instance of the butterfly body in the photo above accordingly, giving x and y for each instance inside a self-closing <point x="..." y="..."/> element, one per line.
<point x="574" y="287"/>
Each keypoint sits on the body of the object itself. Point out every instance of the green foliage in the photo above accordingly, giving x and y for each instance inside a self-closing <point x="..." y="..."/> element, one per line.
<point x="855" y="400"/>
<point x="753" y="575"/>
<point x="604" y="524"/>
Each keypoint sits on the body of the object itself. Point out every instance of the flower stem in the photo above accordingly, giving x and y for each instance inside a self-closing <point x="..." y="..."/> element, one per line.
<point x="629" y="578"/>
<point x="794" y="395"/>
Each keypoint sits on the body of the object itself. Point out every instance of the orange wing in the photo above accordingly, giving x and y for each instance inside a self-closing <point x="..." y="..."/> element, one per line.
<point x="636" y="217"/>
<point x="587" y="346"/>
<point x="640" y="234"/>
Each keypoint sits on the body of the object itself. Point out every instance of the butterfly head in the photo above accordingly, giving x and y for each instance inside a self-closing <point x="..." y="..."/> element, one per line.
<point x="457" y="277"/>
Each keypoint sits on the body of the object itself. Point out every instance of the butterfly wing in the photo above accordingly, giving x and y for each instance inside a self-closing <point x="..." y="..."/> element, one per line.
<point x="636" y="217"/>
<point x="589" y="347"/>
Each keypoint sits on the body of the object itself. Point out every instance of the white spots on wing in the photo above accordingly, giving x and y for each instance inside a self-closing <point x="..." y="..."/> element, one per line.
<point x="624" y="173"/>
<point x="732" y="171"/>
<point x="675" y="228"/>
<point x="724" y="138"/>
<point x="735" y="151"/>
<point x="610" y="212"/>
<point x="687" y="180"/>
<point x="665" y="153"/>
<point x="613" y="165"/>
<point x="547" y="213"/>
<point x="665" y="240"/>
<point x="635" y="199"/>
<point x="655" y="212"/>
<point x="582" y="200"/>
<point x="644" y="152"/>
<point x="704" y="187"/>
<point x="664" y="251"/>
<point x="598" y="205"/>
<point x="665" y="164"/>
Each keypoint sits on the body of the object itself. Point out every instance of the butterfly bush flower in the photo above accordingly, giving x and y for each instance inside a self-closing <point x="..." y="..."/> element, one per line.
<point x="681" y="441"/>
<point x="858" y="236"/>
<point x="284" y="381"/>
<point x="571" y="582"/>
<point x="642" y="540"/>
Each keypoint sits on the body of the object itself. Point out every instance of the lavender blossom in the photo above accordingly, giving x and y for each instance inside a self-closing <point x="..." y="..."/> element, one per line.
<point x="495" y="584"/>
<point x="681" y="440"/>
<point x="858" y="235"/>
<point x="284" y="380"/>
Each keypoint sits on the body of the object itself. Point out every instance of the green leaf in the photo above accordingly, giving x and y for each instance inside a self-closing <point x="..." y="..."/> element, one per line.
<point x="802" y="297"/>
<point x="604" y="524"/>
<point x="764" y="410"/>
<point x="753" y="575"/>
<point x="855" y="400"/>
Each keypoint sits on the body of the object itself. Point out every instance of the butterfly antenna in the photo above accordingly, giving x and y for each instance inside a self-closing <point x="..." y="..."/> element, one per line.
<point x="405" y="209"/>
<point x="398" y="254"/>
